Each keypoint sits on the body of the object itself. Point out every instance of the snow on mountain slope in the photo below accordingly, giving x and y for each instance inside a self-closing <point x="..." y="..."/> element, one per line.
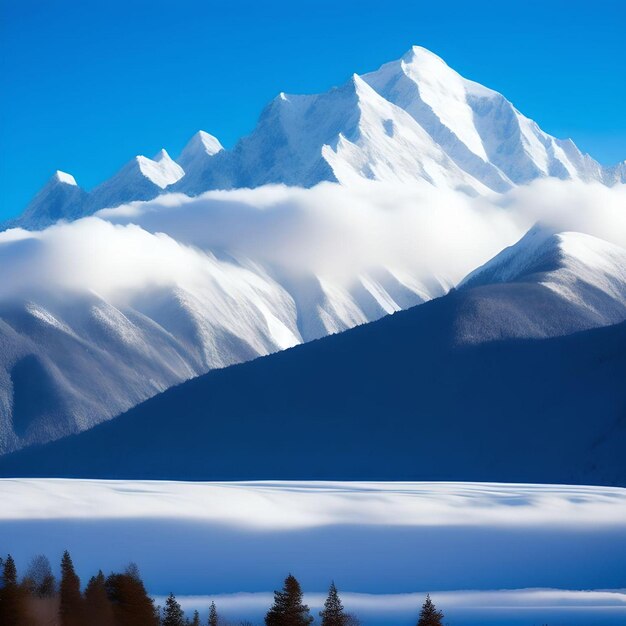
<point x="197" y="156"/>
<point x="587" y="272"/>
<point x="414" y="119"/>
<point x="99" y="314"/>
<point x="201" y="144"/>
<point x="616" y="174"/>
<point x="95" y="317"/>
<point x="140" y="179"/>
<point x="61" y="198"/>
<point x="72" y="359"/>
<point x="408" y="397"/>
<point x="347" y="134"/>
<point x="480" y="130"/>
<point x="462" y="135"/>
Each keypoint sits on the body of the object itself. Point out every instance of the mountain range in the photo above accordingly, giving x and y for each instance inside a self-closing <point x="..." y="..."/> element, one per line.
<point x="506" y="379"/>
<point x="403" y="186"/>
<point x="412" y="119"/>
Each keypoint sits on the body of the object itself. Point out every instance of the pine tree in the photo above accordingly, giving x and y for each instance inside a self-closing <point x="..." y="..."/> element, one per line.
<point x="173" y="614"/>
<point x="70" y="607"/>
<point x="98" y="607"/>
<point x="195" y="621"/>
<point x="9" y="573"/>
<point x="288" y="609"/>
<point x="429" y="615"/>
<point x="213" y="619"/>
<point x="12" y="596"/>
<point x="132" y="606"/>
<point x="333" y="614"/>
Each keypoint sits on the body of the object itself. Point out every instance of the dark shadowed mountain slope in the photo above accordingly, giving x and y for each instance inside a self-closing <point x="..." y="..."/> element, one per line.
<point x="426" y="394"/>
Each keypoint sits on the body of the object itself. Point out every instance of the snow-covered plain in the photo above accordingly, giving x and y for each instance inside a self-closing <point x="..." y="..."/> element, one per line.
<point x="380" y="542"/>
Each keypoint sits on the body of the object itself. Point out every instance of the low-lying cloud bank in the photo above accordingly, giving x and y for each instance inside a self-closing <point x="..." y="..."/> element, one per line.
<point x="501" y="607"/>
<point x="423" y="235"/>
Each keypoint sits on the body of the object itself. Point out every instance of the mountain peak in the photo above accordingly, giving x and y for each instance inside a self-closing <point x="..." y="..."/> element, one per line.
<point x="162" y="170"/>
<point x="63" y="177"/>
<point x="360" y="86"/>
<point x="201" y="145"/>
<point x="210" y="143"/>
<point x="60" y="198"/>
<point x="419" y="53"/>
<point x="477" y="139"/>
<point x="354" y="89"/>
<point x="544" y="251"/>
<point x="162" y="155"/>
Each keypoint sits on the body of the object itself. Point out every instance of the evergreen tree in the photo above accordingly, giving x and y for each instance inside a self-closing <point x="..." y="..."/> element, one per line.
<point x="12" y="596"/>
<point x="333" y="614"/>
<point x="429" y="615"/>
<point x="132" y="606"/>
<point x="9" y="573"/>
<point x="173" y="614"/>
<point x="98" y="607"/>
<point x="195" y="621"/>
<point x="213" y="619"/>
<point x="70" y="607"/>
<point x="288" y="609"/>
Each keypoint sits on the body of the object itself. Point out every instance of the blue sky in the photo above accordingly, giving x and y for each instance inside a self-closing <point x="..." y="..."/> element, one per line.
<point x="87" y="85"/>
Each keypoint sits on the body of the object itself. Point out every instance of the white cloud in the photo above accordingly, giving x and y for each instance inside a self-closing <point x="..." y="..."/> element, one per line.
<point x="498" y="607"/>
<point x="329" y="231"/>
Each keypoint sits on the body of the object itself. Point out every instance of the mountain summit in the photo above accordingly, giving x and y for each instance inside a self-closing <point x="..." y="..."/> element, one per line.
<point x="60" y="198"/>
<point x="414" y="119"/>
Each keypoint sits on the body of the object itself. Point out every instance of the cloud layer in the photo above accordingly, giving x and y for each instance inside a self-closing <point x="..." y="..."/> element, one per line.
<point x="420" y="233"/>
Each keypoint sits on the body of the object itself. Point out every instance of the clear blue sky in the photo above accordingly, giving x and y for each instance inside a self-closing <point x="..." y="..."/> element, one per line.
<point x="87" y="85"/>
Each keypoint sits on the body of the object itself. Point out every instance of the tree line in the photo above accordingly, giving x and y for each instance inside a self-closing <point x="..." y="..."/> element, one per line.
<point x="121" y="599"/>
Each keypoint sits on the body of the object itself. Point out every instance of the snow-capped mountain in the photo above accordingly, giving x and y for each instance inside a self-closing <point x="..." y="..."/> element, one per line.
<point x="140" y="179"/>
<point x="61" y="198"/>
<point x="74" y="353"/>
<point x="400" y="182"/>
<point x="71" y="361"/>
<point x="586" y="278"/>
<point x="616" y="174"/>
<point x="468" y="386"/>
<point x="98" y="315"/>
<point x="414" y="119"/>
<point x="478" y="128"/>
<point x="196" y="157"/>
<point x="344" y="135"/>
